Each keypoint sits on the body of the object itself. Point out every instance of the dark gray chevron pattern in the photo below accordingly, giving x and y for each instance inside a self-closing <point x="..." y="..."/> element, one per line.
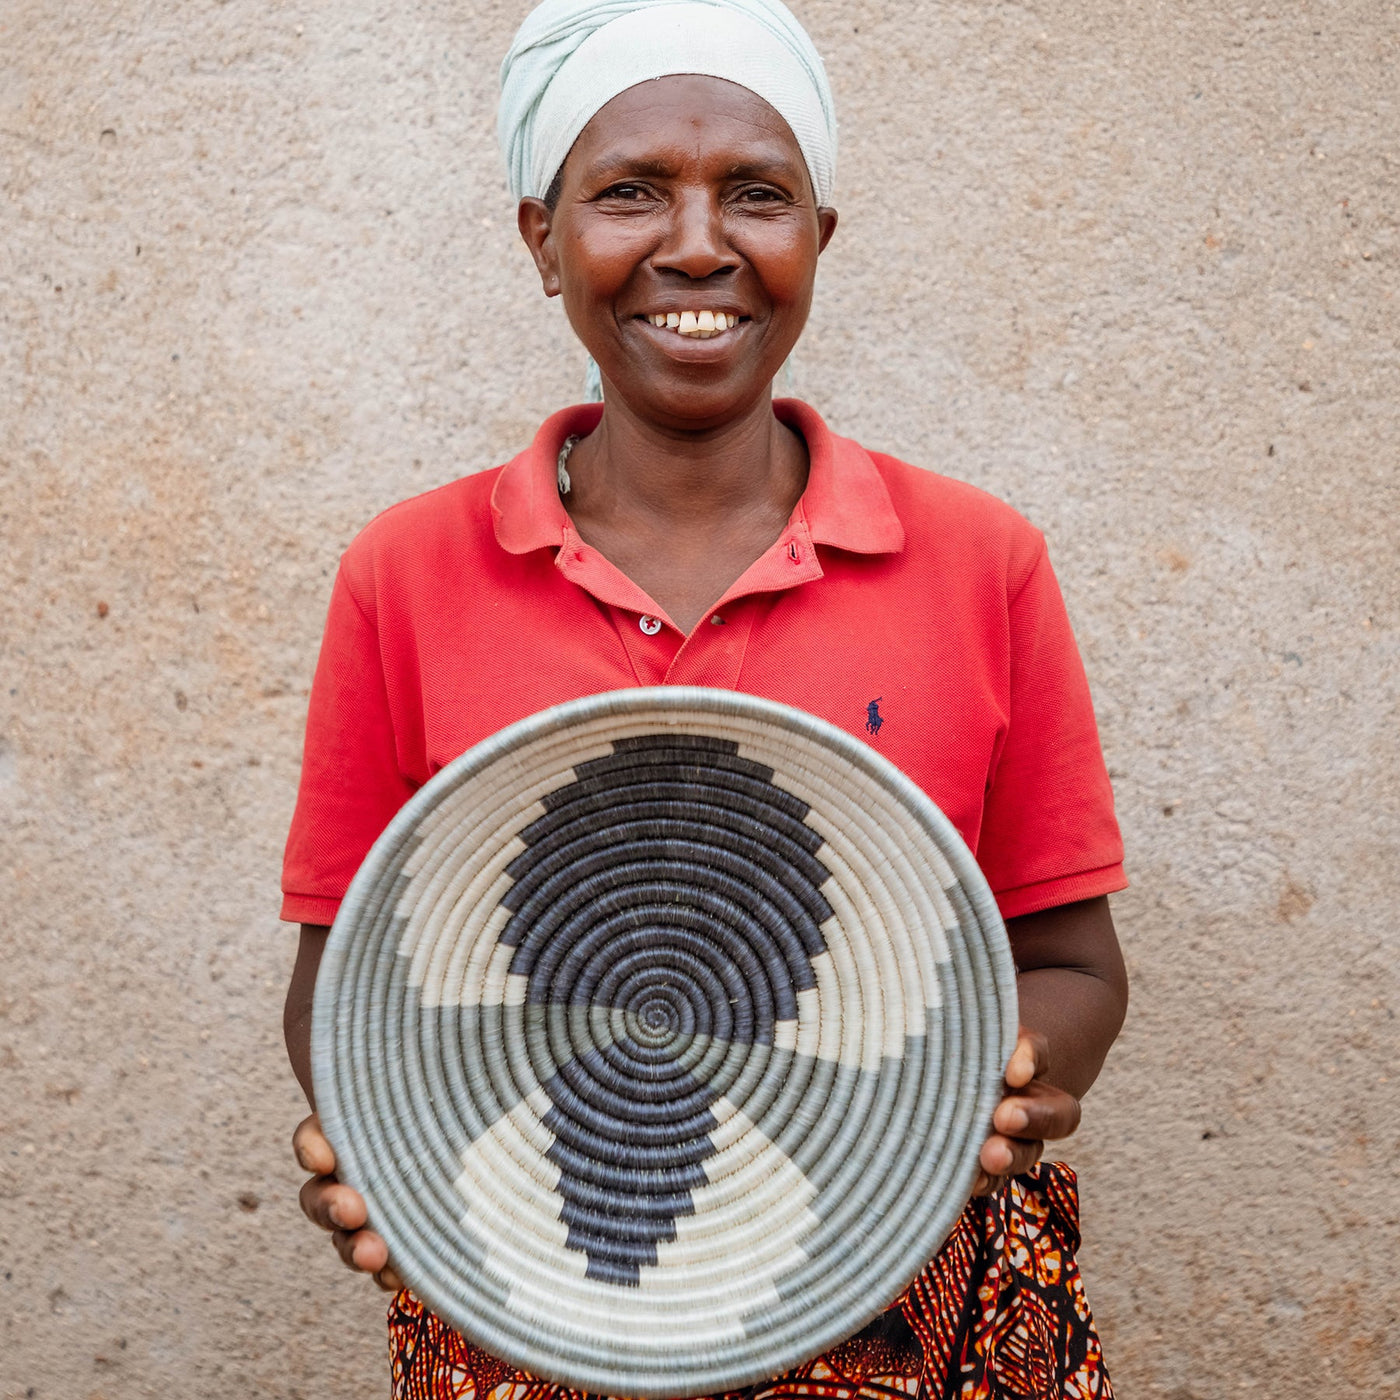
<point x="675" y="889"/>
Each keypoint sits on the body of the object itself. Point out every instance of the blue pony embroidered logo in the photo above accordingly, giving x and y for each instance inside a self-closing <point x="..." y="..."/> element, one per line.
<point x="874" y="720"/>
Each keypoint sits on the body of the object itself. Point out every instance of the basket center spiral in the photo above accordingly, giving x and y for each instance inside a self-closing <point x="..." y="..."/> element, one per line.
<point x="664" y="917"/>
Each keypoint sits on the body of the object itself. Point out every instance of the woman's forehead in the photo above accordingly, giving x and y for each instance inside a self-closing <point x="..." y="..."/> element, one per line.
<point x="672" y="120"/>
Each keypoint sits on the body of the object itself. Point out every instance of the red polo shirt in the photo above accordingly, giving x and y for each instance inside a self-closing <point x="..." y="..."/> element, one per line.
<point x="918" y="613"/>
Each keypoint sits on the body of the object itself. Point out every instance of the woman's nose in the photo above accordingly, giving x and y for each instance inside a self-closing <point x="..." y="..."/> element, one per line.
<point x="695" y="242"/>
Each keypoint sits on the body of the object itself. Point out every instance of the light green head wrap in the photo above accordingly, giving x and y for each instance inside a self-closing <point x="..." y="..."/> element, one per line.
<point x="572" y="57"/>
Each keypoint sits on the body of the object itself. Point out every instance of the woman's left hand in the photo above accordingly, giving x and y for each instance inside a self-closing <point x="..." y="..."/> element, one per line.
<point x="1032" y="1112"/>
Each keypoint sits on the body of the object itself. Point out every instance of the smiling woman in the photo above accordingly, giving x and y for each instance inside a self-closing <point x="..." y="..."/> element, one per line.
<point x="683" y="239"/>
<point x="673" y="165"/>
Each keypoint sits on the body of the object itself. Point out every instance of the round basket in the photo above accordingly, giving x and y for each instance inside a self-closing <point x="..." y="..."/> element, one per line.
<point x="660" y="1032"/>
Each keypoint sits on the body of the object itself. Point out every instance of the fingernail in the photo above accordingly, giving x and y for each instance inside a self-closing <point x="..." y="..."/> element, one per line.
<point x="1016" y="1120"/>
<point x="334" y="1213"/>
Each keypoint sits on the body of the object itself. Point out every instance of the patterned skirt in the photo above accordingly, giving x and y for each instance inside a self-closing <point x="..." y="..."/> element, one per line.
<point x="999" y="1314"/>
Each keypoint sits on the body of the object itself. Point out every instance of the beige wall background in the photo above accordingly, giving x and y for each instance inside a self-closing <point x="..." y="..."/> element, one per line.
<point x="1133" y="267"/>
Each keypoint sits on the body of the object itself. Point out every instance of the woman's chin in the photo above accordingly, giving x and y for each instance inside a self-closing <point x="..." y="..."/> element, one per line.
<point x="704" y="383"/>
<point x="692" y="402"/>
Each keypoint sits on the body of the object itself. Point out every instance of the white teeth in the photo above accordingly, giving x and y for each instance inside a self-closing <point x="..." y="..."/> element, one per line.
<point x="697" y="325"/>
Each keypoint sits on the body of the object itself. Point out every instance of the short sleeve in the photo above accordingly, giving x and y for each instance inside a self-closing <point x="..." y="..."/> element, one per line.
<point x="351" y="780"/>
<point x="1049" y="835"/>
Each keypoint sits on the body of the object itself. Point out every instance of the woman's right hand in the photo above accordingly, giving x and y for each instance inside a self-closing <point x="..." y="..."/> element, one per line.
<point x="339" y="1209"/>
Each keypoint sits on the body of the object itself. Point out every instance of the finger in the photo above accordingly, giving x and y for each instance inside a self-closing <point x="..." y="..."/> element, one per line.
<point x="361" y="1250"/>
<point x="313" y="1152"/>
<point x="1029" y="1058"/>
<point x="986" y="1184"/>
<point x="1045" y="1113"/>
<point x="368" y="1252"/>
<point x="1002" y="1157"/>
<point x="333" y="1206"/>
<point x="997" y="1155"/>
<point x="388" y="1280"/>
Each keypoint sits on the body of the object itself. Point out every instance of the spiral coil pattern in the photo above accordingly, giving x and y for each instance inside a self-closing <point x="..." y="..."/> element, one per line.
<point x="660" y="1032"/>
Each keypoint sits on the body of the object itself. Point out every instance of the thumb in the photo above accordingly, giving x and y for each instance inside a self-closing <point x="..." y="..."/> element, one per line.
<point x="313" y="1150"/>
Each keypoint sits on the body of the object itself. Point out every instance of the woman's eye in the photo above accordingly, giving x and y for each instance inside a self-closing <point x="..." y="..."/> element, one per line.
<point x="626" y="192"/>
<point x="760" y="194"/>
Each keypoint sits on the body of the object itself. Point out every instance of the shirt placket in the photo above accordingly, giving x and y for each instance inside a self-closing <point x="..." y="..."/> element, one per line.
<point x="713" y="655"/>
<point x="650" y="642"/>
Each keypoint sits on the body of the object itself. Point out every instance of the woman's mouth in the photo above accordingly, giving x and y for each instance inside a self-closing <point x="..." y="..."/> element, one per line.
<point x="694" y="325"/>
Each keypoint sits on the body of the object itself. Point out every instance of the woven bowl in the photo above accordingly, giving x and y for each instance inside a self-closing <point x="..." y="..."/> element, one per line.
<point x="660" y="1032"/>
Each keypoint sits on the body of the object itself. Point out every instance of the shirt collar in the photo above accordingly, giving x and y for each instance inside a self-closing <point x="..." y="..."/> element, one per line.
<point x="846" y="504"/>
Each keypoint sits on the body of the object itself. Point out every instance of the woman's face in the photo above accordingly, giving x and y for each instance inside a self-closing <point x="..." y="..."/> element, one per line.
<point x="684" y="199"/>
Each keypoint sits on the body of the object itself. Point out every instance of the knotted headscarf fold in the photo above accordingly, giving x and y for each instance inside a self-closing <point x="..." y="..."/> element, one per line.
<point x="572" y="57"/>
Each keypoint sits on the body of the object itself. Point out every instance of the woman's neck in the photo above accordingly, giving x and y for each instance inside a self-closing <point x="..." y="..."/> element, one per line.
<point x="635" y="470"/>
<point x="683" y="514"/>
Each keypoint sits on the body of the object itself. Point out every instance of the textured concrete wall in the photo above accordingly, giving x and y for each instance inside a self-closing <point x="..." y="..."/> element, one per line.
<point x="1132" y="266"/>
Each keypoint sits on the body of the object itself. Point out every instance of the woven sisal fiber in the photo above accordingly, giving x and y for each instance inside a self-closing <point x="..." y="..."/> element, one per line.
<point x="660" y="1032"/>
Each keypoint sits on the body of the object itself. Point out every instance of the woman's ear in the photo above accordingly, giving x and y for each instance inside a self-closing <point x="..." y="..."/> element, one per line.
<point x="534" y="219"/>
<point x="826" y="226"/>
